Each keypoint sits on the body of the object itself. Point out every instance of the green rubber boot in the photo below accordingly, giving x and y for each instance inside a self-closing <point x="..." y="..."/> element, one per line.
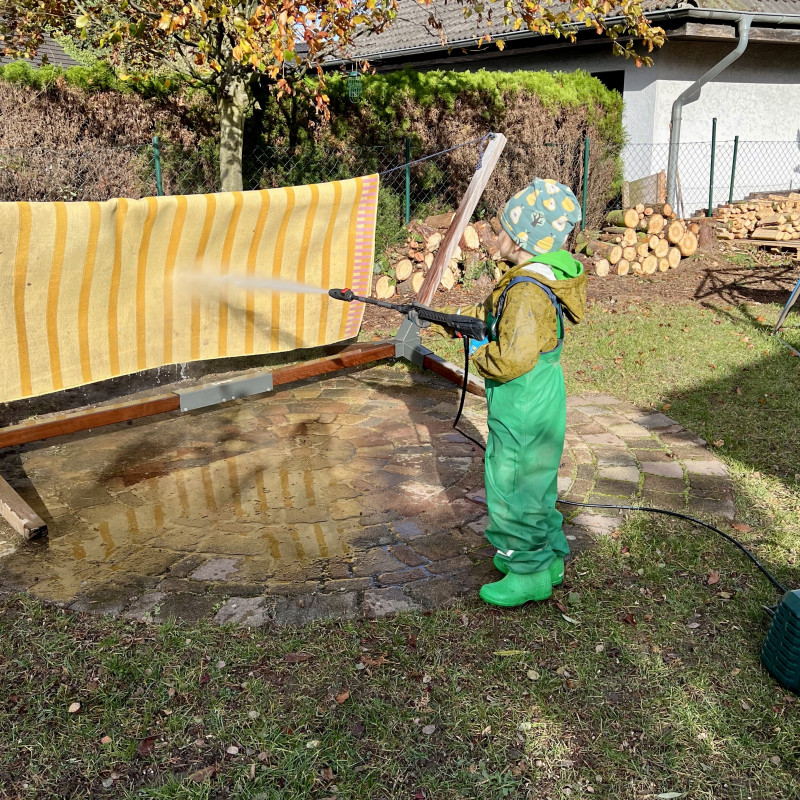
<point x="556" y="569"/>
<point x="516" y="590"/>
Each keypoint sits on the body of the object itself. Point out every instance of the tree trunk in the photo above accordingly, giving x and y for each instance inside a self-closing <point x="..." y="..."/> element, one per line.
<point x="232" y="108"/>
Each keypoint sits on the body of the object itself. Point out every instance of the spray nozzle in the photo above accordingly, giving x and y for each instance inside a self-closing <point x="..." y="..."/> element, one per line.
<point x="342" y="294"/>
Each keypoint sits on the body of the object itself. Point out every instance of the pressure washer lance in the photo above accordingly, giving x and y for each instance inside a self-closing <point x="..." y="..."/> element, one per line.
<point x="464" y="327"/>
<point x="781" y="651"/>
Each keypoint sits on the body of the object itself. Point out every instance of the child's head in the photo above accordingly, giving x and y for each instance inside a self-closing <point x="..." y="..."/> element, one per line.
<point x="538" y="219"/>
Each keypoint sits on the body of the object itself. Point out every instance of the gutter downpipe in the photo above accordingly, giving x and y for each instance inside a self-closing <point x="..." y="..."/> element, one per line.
<point x="693" y="93"/>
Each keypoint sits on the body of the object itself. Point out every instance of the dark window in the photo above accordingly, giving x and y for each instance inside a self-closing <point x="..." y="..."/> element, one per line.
<point x="612" y="79"/>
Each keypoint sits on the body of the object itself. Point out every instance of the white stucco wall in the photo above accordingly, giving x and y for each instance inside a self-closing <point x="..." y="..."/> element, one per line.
<point x="756" y="98"/>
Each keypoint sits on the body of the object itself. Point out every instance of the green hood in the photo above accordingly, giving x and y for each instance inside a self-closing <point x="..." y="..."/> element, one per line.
<point x="569" y="286"/>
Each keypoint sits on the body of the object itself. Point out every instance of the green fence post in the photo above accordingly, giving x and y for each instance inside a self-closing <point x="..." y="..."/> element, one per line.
<point x="711" y="173"/>
<point x="157" y="158"/>
<point x="733" y="167"/>
<point x="585" y="181"/>
<point x="408" y="180"/>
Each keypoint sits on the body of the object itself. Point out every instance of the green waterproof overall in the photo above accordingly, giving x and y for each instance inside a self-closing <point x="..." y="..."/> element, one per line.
<point x="527" y="423"/>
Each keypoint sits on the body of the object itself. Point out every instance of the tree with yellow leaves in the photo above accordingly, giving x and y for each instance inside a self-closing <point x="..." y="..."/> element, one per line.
<point x="229" y="46"/>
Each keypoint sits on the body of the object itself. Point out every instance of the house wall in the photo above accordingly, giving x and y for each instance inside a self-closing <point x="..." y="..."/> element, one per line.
<point x="756" y="98"/>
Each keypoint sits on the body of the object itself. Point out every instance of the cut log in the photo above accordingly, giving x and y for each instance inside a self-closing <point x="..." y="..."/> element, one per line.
<point x="629" y="253"/>
<point x="448" y="280"/>
<point x="661" y="249"/>
<point x="629" y="238"/>
<point x="652" y="241"/>
<point x="602" y="267"/>
<point x="673" y="257"/>
<point x="643" y="250"/>
<point x="636" y="268"/>
<point x="665" y="209"/>
<point x="694" y="228"/>
<point x="428" y="260"/>
<point x="403" y="269"/>
<point x="628" y="218"/>
<point x="612" y="252"/>
<point x="655" y="224"/>
<point x="639" y="208"/>
<point x="688" y="244"/>
<point x="648" y="211"/>
<point x="384" y="289"/>
<point x="470" y="240"/>
<point x="675" y="231"/>
<point x="649" y="265"/>
<point x="615" y="229"/>
<point x="767" y="235"/>
<point x="433" y="242"/>
<point x="623" y="267"/>
<point x="663" y="264"/>
<point x="416" y="281"/>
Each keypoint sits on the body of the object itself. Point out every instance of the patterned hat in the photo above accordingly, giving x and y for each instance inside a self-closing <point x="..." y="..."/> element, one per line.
<point x="541" y="216"/>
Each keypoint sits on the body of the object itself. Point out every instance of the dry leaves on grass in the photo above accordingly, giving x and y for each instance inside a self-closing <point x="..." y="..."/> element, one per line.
<point x="296" y="658"/>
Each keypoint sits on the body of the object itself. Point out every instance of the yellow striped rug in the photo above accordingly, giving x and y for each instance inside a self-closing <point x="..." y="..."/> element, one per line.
<point x="89" y="291"/>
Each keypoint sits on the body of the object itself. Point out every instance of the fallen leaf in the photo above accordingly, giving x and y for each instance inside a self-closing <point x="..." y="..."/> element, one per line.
<point x="263" y="756"/>
<point x="342" y="696"/>
<point x="713" y="577"/>
<point x="693" y="625"/>
<point x="506" y="653"/>
<point x="738" y="390"/>
<point x="233" y="750"/>
<point x="145" y="746"/>
<point x="105" y="740"/>
<point x="719" y="443"/>
<point x="313" y="744"/>
<point x="203" y="774"/>
<point x="735" y="671"/>
<point x="760" y="319"/>
<point x="666" y="407"/>
<point x="669" y="795"/>
<point x="429" y="729"/>
<point x="741" y="527"/>
<point x="745" y="705"/>
<point x="712" y="366"/>
<point x="74" y="708"/>
<point x="570" y="620"/>
<point x="629" y="619"/>
<point x="296" y="658"/>
<point x="724" y="595"/>
<point x="367" y="661"/>
<point x="533" y="675"/>
<point x="599" y="648"/>
<point x="776" y="760"/>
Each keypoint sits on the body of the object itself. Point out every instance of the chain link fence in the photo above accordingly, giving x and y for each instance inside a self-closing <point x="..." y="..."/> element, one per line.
<point x="740" y="168"/>
<point x="413" y="184"/>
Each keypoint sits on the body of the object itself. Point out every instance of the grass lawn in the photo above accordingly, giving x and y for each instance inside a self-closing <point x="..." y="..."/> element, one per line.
<point x="641" y="678"/>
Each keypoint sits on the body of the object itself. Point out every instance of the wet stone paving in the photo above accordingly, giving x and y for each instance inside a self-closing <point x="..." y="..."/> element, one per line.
<point x="340" y="497"/>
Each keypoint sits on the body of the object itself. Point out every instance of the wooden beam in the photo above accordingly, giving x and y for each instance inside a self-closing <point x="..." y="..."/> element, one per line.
<point x="455" y="374"/>
<point x="462" y="216"/>
<point x="97" y="417"/>
<point x="19" y="515"/>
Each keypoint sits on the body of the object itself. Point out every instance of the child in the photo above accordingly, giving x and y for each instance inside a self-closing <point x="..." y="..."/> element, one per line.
<point x="525" y="391"/>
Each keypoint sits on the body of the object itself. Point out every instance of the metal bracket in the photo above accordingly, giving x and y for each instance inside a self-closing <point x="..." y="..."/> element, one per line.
<point x="407" y="344"/>
<point x="224" y="391"/>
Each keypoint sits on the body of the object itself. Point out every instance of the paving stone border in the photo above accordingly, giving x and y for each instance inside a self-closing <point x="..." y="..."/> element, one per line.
<point x="411" y="508"/>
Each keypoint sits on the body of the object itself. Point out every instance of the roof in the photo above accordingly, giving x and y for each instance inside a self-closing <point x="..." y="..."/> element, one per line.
<point x="410" y="31"/>
<point x="55" y="55"/>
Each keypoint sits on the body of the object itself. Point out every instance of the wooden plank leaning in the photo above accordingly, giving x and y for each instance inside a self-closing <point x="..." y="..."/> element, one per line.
<point x="19" y="515"/>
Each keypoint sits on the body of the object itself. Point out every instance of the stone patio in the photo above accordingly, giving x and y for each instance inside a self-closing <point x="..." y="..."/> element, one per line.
<point x="340" y="497"/>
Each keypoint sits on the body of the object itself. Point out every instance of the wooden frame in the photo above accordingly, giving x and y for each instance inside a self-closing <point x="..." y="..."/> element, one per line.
<point x="26" y="522"/>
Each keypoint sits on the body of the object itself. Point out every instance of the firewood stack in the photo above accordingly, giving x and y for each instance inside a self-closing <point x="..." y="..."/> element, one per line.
<point x="775" y="218"/>
<point x="641" y="240"/>
<point x="411" y="260"/>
